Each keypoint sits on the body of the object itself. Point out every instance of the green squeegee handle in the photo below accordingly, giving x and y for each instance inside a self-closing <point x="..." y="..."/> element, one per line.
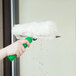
<point x="12" y="57"/>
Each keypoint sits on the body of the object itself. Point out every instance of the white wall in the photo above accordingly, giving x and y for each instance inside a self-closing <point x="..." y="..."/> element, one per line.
<point x="56" y="57"/>
<point x="1" y="38"/>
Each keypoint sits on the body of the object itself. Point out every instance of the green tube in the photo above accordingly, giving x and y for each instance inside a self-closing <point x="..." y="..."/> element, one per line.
<point x="11" y="58"/>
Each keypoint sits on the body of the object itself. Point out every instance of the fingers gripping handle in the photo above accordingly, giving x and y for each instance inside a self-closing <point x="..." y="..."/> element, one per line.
<point x="11" y="58"/>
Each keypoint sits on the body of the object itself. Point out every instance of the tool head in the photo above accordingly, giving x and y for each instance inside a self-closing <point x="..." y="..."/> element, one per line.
<point x="36" y="30"/>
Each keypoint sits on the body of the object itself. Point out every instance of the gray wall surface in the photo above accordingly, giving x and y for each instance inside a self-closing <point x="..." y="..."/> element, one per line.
<point x="1" y="38"/>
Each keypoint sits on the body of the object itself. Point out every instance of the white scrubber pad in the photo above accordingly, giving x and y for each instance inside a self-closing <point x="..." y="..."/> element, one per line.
<point x="45" y="29"/>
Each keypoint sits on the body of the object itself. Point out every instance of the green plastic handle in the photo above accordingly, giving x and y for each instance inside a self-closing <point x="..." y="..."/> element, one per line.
<point x="12" y="57"/>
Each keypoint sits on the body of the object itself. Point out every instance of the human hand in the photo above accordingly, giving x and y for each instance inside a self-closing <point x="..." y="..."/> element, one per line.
<point x="16" y="48"/>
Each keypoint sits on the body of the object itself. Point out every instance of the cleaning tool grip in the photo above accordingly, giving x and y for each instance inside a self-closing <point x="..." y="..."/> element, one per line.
<point x="12" y="57"/>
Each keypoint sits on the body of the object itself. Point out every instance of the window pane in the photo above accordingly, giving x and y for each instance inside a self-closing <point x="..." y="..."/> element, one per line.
<point x="55" y="57"/>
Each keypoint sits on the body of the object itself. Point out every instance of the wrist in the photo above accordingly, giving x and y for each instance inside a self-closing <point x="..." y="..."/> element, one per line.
<point x="3" y="53"/>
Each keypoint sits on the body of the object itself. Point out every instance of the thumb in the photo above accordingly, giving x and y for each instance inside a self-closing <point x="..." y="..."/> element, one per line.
<point x="25" y="42"/>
